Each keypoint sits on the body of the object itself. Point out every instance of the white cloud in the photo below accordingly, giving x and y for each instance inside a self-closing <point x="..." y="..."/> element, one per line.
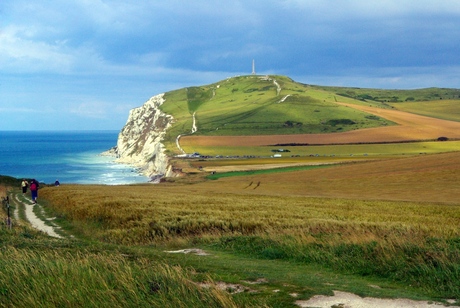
<point x="19" y="53"/>
<point x="356" y="9"/>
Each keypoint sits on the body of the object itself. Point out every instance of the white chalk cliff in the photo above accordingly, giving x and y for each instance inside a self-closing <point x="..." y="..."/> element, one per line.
<point x="140" y="141"/>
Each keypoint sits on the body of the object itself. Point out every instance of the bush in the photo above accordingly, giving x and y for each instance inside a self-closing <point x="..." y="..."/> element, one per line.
<point x="335" y="122"/>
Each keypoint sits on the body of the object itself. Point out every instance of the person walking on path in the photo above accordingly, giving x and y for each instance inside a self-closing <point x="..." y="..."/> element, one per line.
<point x="24" y="186"/>
<point x="34" y="190"/>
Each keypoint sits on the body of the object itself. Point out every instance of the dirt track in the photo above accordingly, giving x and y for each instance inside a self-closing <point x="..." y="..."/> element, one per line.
<point x="33" y="219"/>
<point x="411" y="127"/>
<point x="348" y="300"/>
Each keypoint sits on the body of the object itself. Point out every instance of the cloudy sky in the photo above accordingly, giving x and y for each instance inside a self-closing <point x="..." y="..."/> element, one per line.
<point x="83" y="64"/>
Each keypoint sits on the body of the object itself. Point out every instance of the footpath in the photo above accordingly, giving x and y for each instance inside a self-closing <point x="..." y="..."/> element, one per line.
<point x="34" y="214"/>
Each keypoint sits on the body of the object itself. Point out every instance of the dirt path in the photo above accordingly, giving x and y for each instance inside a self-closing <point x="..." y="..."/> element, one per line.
<point x="33" y="219"/>
<point x="411" y="127"/>
<point x="348" y="300"/>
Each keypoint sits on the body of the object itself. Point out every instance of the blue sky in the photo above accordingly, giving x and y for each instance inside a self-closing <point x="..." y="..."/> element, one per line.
<point x="83" y="64"/>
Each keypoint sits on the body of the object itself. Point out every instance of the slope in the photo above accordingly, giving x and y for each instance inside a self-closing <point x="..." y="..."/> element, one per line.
<point x="260" y="105"/>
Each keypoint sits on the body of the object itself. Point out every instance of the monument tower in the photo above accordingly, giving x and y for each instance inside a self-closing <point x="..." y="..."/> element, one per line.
<point x="253" y="67"/>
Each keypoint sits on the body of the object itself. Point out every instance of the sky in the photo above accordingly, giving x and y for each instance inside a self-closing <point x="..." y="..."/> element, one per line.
<point x="83" y="64"/>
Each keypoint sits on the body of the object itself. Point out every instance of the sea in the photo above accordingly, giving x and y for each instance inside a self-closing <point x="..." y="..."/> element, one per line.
<point x="72" y="157"/>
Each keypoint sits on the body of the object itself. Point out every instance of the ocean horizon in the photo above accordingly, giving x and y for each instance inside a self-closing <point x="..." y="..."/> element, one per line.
<point x="72" y="157"/>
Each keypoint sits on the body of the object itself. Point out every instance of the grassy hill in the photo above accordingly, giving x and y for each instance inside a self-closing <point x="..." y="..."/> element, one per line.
<point x="255" y="105"/>
<point x="269" y="105"/>
<point x="394" y="96"/>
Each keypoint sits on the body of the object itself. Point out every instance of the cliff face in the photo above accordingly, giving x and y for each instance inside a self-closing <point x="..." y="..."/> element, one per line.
<point x="140" y="141"/>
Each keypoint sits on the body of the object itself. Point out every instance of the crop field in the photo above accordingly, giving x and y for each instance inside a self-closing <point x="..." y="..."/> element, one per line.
<point x="411" y="127"/>
<point x="442" y="109"/>
<point x="327" y="152"/>
<point x="396" y="219"/>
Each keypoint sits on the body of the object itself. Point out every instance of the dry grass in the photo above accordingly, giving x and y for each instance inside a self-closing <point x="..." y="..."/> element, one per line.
<point x="397" y="218"/>
<point x="425" y="178"/>
<point x="3" y="191"/>
<point x="270" y="204"/>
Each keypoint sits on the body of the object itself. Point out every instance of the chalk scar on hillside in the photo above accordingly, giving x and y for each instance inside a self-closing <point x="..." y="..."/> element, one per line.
<point x="195" y="251"/>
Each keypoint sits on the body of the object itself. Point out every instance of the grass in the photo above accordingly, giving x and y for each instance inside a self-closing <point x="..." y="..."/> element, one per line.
<point x="442" y="109"/>
<point x="70" y="276"/>
<point x="380" y="96"/>
<point x="382" y="149"/>
<point x="391" y="223"/>
<point x="249" y="105"/>
<point x="256" y="172"/>
<point x="411" y="242"/>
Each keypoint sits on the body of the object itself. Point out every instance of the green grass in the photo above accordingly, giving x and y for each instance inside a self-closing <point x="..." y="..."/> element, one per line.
<point x="442" y="109"/>
<point x="40" y="272"/>
<point x="412" y="243"/>
<point x="266" y="171"/>
<point x="383" y="149"/>
<point x="250" y="105"/>
<point x="369" y="95"/>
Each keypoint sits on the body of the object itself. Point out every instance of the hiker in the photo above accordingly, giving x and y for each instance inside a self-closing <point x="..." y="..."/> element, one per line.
<point x="34" y="190"/>
<point x="24" y="186"/>
<point x="57" y="183"/>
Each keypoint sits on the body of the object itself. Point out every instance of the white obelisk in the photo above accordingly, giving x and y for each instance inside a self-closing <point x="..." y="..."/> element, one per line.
<point x="253" y="67"/>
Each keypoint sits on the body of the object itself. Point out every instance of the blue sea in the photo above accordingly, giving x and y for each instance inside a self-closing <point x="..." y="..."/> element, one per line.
<point x="70" y="157"/>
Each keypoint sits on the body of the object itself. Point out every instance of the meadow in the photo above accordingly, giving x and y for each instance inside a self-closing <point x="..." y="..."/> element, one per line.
<point x="391" y="223"/>
<point x="248" y="105"/>
<point x="392" y="95"/>
<point x="442" y="109"/>
<point x="339" y="151"/>
<point x="395" y="220"/>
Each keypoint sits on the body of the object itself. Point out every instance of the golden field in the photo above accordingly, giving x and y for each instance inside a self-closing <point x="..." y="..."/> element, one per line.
<point x="384" y="194"/>
<point x="396" y="218"/>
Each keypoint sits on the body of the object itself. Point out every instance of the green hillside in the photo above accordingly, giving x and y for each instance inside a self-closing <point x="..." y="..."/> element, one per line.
<point x="252" y="105"/>
<point x="442" y="109"/>
<point x="394" y="96"/>
<point x="266" y="105"/>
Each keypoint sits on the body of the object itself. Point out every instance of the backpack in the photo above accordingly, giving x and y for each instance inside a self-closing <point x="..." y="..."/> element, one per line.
<point x="33" y="186"/>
